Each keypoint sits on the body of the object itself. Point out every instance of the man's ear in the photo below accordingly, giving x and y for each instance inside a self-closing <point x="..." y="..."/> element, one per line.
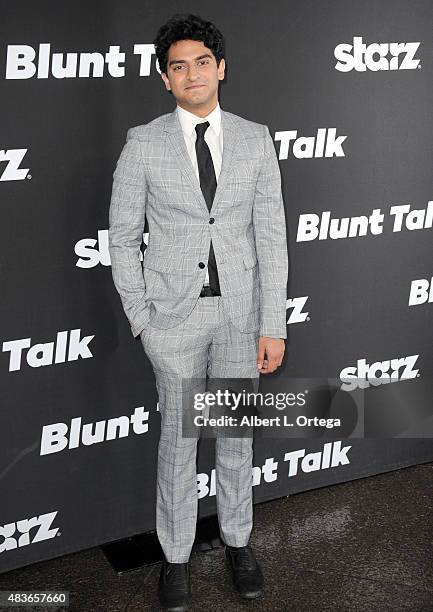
<point x="221" y="69"/>
<point x="166" y="81"/>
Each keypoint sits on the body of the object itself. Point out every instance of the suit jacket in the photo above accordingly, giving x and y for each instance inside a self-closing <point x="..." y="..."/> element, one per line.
<point x="154" y="177"/>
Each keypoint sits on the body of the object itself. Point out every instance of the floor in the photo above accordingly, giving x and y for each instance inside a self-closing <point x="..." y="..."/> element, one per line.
<point x="366" y="545"/>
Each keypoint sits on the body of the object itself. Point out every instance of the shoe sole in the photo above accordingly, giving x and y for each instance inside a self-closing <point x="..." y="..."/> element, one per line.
<point x="180" y="608"/>
<point x="251" y="595"/>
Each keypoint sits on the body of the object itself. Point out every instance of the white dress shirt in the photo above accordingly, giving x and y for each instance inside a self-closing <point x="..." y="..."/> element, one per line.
<point x="213" y="138"/>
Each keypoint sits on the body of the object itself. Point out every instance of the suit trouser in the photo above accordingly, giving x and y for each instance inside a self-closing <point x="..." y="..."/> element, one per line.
<point x="204" y="344"/>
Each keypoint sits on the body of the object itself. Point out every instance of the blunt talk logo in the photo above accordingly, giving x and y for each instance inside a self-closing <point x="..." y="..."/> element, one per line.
<point x="27" y="531"/>
<point x="11" y="170"/>
<point x="48" y="353"/>
<point x="314" y="227"/>
<point x="331" y="456"/>
<point x="325" y="143"/>
<point x="376" y="56"/>
<point x="421" y="291"/>
<point x="26" y="62"/>
<point x="364" y="375"/>
<point x="58" y="436"/>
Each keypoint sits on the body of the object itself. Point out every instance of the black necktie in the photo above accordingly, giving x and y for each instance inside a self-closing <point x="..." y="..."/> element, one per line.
<point x="208" y="185"/>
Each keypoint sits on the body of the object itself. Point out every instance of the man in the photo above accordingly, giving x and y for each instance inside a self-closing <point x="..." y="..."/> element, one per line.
<point x="210" y="295"/>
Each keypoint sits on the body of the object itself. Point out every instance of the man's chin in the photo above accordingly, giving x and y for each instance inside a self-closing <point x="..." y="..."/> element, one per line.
<point x="196" y="101"/>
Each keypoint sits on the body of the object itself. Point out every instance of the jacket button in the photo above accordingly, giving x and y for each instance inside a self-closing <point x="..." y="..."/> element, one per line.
<point x="211" y="220"/>
<point x="201" y="264"/>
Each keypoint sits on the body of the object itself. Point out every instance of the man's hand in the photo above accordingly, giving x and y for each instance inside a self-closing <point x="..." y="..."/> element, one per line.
<point x="274" y="349"/>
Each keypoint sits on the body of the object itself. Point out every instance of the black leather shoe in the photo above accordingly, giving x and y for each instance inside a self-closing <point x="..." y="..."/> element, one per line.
<point x="246" y="572"/>
<point x="174" y="588"/>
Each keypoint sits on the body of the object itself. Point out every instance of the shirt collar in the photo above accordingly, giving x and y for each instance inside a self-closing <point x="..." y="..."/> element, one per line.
<point x="188" y="120"/>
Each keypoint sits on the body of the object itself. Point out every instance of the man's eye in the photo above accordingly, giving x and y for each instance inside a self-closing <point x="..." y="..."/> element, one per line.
<point x="200" y="62"/>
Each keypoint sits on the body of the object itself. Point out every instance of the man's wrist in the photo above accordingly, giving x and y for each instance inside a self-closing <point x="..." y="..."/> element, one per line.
<point x="277" y="337"/>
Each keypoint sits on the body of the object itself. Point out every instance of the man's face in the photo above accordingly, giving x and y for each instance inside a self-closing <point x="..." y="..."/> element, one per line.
<point x="193" y="75"/>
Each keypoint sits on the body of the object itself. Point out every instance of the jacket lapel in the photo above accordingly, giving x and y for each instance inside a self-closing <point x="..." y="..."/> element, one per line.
<point x="177" y="144"/>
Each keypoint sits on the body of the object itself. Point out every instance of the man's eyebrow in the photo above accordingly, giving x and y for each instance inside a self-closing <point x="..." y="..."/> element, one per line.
<point x="181" y="61"/>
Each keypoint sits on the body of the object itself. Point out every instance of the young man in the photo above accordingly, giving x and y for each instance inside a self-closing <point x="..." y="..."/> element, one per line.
<point x="210" y="296"/>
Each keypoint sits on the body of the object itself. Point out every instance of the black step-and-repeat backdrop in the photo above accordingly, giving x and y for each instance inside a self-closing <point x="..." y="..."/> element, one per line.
<point x="346" y="89"/>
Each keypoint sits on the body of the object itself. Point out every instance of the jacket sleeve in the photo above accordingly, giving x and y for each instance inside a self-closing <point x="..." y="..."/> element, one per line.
<point x="126" y="225"/>
<point x="271" y="243"/>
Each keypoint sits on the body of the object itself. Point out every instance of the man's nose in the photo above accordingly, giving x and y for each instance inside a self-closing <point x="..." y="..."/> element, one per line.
<point x="192" y="72"/>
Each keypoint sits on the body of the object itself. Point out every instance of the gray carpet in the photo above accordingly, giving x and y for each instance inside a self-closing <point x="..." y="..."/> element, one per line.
<point x="363" y="546"/>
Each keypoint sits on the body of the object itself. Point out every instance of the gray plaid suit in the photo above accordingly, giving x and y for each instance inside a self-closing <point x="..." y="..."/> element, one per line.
<point x="187" y="336"/>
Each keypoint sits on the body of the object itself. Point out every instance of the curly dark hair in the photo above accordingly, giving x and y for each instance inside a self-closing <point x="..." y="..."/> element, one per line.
<point x="187" y="27"/>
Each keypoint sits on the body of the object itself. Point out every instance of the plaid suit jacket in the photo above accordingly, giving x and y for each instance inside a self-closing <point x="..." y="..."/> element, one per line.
<point x="154" y="178"/>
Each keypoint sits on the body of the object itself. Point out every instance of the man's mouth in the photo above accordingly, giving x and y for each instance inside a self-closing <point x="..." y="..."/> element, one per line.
<point x="195" y="86"/>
